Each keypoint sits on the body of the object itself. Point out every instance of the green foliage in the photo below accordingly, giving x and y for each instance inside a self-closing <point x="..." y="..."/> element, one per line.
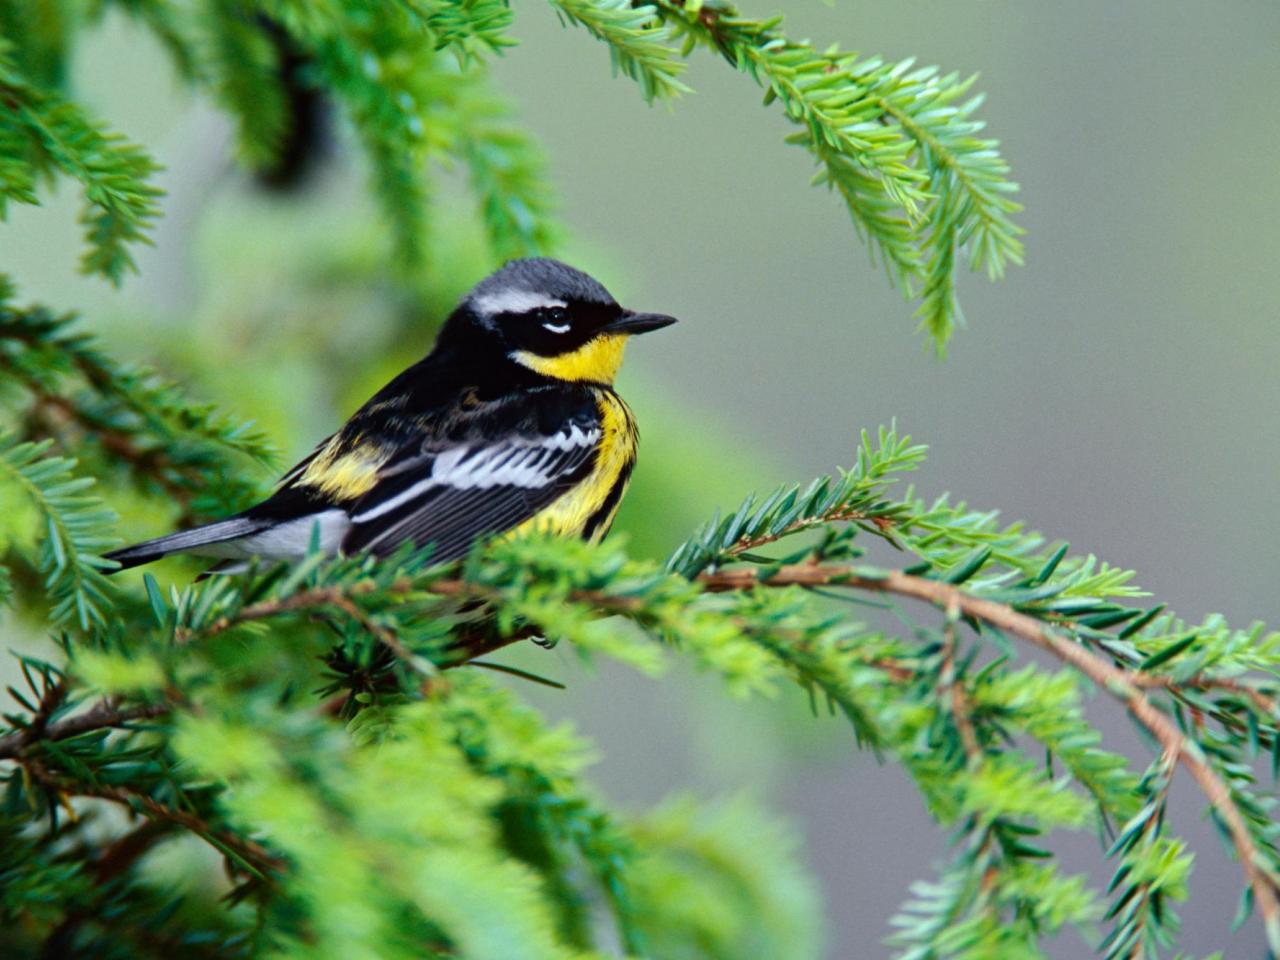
<point x="639" y="42"/>
<point x="121" y="420"/>
<point x="317" y="730"/>
<point x="42" y="134"/>
<point x="76" y="530"/>
<point x="899" y="145"/>
<point x="896" y="144"/>
<point x="711" y="895"/>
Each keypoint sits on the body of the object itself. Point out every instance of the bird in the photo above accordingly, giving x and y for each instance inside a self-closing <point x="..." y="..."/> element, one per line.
<point x="510" y="423"/>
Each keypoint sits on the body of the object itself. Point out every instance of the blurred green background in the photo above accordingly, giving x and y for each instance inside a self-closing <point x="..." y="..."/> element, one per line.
<point x="1121" y="391"/>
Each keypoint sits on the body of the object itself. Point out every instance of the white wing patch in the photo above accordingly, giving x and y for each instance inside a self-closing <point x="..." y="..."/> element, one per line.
<point x="528" y="465"/>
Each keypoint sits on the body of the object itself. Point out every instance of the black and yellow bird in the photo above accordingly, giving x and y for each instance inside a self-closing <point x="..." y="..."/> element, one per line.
<point x="510" y="423"/>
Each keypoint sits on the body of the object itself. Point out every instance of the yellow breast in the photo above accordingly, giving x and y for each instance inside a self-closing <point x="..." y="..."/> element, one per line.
<point x="594" y="501"/>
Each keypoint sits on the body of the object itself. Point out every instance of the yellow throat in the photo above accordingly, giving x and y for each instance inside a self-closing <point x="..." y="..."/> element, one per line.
<point x="596" y="361"/>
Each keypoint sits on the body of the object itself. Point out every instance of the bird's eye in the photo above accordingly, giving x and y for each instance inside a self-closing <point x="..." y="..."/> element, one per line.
<point x="556" y="319"/>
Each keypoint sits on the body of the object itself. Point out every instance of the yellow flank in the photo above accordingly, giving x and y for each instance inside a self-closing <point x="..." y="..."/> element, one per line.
<point x="568" y="515"/>
<point x="596" y="361"/>
<point x="347" y="475"/>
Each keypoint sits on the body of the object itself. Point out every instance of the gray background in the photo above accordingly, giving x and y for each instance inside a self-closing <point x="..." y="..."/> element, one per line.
<point x="1120" y="391"/>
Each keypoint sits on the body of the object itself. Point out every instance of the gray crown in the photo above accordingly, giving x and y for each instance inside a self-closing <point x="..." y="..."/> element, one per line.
<point x="540" y="278"/>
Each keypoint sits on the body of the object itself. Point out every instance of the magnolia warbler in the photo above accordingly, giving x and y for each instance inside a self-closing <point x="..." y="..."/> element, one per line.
<point x="511" y="422"/>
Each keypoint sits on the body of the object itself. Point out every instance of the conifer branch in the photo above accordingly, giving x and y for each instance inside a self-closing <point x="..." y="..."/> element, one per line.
<point x="1119" y="683"/>
<point x="76" y="528"/>
<point x="248" y="852"/>
<point x="1142" y="920"/>
<point x="640" y="43"/>
<point x="1125" y="685"/>
<point x="440" y="810"/>
<point x="41" y="133"/>
<point x="104" y="715"/>
<point x="469" y="27"/>
<point x="245" y="66"/>
<point x="134" y="417"/>
<point x="892" y="141"/>
<point x="323" y="598"/>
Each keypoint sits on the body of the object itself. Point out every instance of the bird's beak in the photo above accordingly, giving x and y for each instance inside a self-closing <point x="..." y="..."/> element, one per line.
<point x="632" y="323"/>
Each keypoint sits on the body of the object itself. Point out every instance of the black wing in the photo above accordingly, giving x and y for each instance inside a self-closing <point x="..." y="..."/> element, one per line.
<point x="452" y="492"/>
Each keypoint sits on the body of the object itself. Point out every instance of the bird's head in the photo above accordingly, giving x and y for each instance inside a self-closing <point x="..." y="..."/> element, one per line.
<point x="550" y="318"/>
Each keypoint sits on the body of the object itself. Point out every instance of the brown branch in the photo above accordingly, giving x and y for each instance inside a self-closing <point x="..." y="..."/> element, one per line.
<point x="103" y="714"/>
<point x="1124" y="685"/>
<point x="52" y="698"/>
<point x="1263" y="703"/>
<point x="128" y="849"/>
<point x="956" y="696"/>
<point x="258" y="857"/>
<point x="312" y="600"/>
<point x="743" y="544"/>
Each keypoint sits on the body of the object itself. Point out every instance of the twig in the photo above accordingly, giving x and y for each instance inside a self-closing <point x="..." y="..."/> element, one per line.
<point x="313" y="599"/>
<point x="805" y="523"/>
<point x="50" y="701"/>
<point x="104" y="713"/>
<point x="126" y="851"/>
<point x="1154" y="681"/>
<point x="254" y="854"/>
<point x="956" y="696"/>
<point x="1119" y="683"/>
<point x="1125" y="685"/>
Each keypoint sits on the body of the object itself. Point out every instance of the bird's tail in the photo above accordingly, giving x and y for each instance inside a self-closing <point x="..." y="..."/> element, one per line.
<point x="148" y="550"/>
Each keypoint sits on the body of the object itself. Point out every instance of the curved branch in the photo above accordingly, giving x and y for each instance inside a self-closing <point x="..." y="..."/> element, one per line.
<point x="1124" y="685"/>
<point x="1127" y="686"/>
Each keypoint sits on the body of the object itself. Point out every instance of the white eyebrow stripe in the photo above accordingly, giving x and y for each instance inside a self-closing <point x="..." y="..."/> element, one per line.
<point x="513" y="301"/>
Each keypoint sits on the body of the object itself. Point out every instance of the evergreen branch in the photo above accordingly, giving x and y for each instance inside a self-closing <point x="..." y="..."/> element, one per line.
<point x="1226" y="801"/>
<point x="1152" y="871"/>
<point x="705" y="864"/>
<point x="40" y="39"/>
<point x="468" y="123"/>
<point x="374" y="67"/>
<point x="1260" y="877"/>
<point x="508" y="175"/>
<point x="469" y="27"/>
<point x="249" y="852"/>
<point x="41" y="133"/>
<point x="320" y="599"/>
<point x="103" y="715"/>
<point x="645" y="601"/>
<point x="77" y="529"/>
<point x="857" y="496"/>
<point x="638" y="38"/>
<point x="41" y="348"/>
<point x="909" y="163"/>
<point x="134" y="417"/>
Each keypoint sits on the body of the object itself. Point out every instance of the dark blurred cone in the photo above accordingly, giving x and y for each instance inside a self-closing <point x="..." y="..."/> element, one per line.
<point x="306" y="142"/>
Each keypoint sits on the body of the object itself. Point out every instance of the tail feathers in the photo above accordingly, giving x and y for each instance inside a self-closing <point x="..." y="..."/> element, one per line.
<point x="212" y="533"/>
